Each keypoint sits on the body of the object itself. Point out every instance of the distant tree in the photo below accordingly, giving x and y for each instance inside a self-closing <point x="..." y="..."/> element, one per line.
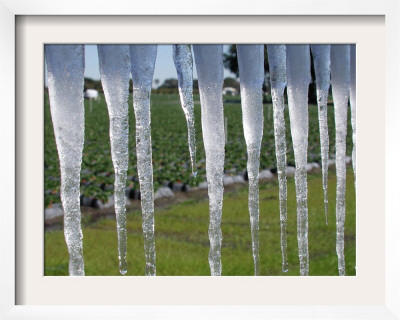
<point x="231" y="61"/>
<point x="130" y="86"/>
<point x="92" y="84"/>
<point x="156" y="82"/>
<point x="231" y="82"/>
<point x="312" y="91"/>
<point x="170" y="83"/>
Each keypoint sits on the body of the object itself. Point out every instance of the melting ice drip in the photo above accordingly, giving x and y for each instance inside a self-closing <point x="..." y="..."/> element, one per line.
<point x="210" y="72"/>
<point x="182" y="56"/>
<point x="322" y="63"/>
<point x="277" y="70"/>
<point x="340" y="71"/>
<point x="65" y="69"/>
<point x="353" y="103"/>
<point x="298" y="78"/>
<point x="143" y="59"/>
<point x="114" y="63"/>
<point x="251" y="66"/>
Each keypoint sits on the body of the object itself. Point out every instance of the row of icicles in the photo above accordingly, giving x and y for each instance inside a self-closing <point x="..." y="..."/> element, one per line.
<point x="289" y="67"/>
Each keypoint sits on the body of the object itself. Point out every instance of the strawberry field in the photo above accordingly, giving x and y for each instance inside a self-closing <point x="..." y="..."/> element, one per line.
<point x="171" y="161"/>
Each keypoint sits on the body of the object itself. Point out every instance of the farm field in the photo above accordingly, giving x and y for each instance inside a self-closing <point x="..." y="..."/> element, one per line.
<point x="171" y="161"/>
<point x="182" y="250"/>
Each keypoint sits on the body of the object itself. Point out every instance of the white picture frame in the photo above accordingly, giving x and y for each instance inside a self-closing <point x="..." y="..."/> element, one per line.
<point x="8" y="12"/>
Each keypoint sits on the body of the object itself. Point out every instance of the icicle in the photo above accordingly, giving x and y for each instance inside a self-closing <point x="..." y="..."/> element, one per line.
<point x="298" y="78"/>
<point x="251" y="66"/>
<point x="182" y="55"/>
<point x="65" y="69"/>
<point x="210" y="71"/>
<point x="277" y="69"/>
<point x="322" y="63"/>
<point x="340" y="70"/>
<point x="114" y="65"/>
<point x="353" y="103"/>
<point x="143" y="59"/>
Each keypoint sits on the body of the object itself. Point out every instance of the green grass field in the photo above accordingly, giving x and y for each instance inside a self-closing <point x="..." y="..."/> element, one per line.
<point x="182" y="241"/>
<point x="181" y="230"/>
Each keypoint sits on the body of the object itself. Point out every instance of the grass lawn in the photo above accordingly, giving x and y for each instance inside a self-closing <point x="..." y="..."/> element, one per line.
<point x="182" y="241"/>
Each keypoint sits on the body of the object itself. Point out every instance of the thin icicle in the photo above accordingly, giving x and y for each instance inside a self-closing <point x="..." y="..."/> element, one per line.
<point x="210" y="71"/>
<point x="182" y="54"/>
<point x="322" y="64"/>
<point x="353" y="103"/>
<point x="277" y="70"/>
<point x="143" y="59"/>
<point x="298" y="78"/>
<point x="251" y="66"/>
<point x="65" y="69"/>
<point x="340" y="70"/>
<point x="114" y="65"/>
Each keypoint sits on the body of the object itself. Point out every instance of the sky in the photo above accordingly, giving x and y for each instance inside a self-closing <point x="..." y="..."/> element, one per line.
<point x="164" y="68"/>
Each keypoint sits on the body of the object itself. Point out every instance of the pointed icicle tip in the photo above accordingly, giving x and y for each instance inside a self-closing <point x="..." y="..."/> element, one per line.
<point x="123" y="272"/>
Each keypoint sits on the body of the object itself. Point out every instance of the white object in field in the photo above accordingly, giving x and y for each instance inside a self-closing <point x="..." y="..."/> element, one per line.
<point x="182" y="55"/>
<point x="143" y="59"/>
<point x="114" y="63"/>
<point x="65" y="69"/>
<point x="210" y="70"/>
<point x="229" y="91"/>
<point x="298" y="80"/>
<point x="251" y="67"/>
<point x="277" y="70"/>
<point x="340" y="72"/>
<point x="91" y="94"/>
<point x="322" y="66"/>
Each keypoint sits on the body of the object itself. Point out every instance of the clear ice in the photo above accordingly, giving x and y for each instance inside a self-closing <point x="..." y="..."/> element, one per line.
<point x="114" y="63"/>
<point x="353" y="103"/>
<point x="65" y="70"/>
<point x="277" y="70"/>
<point x="251" y="66"/>
<point x="210" y="71"/>
<point x="298" y="79"/>
<point x="322" y="66"/>
<point x="340" y="72"/>
<point x="182" y="55"/>
<point x="143" y="59"/>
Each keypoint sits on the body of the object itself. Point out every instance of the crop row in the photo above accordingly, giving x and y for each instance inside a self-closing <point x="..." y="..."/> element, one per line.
<point x="171" y="161"/>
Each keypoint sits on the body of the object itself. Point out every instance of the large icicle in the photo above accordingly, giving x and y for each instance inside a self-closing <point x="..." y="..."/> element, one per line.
<point x="322" y="64"/>
<point x="182" y="54"/>
<point x="277" y="70"/>
<point x="251" y="66"/>
<point x="143" y="59"/>
<point x="353" y="103"/>
<point x="114" y="73"/>
<point x="298" y="78"/>
<point x="210" y="71"/>
<point x="65" y="69"/>
<point x="340" y="71"/>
